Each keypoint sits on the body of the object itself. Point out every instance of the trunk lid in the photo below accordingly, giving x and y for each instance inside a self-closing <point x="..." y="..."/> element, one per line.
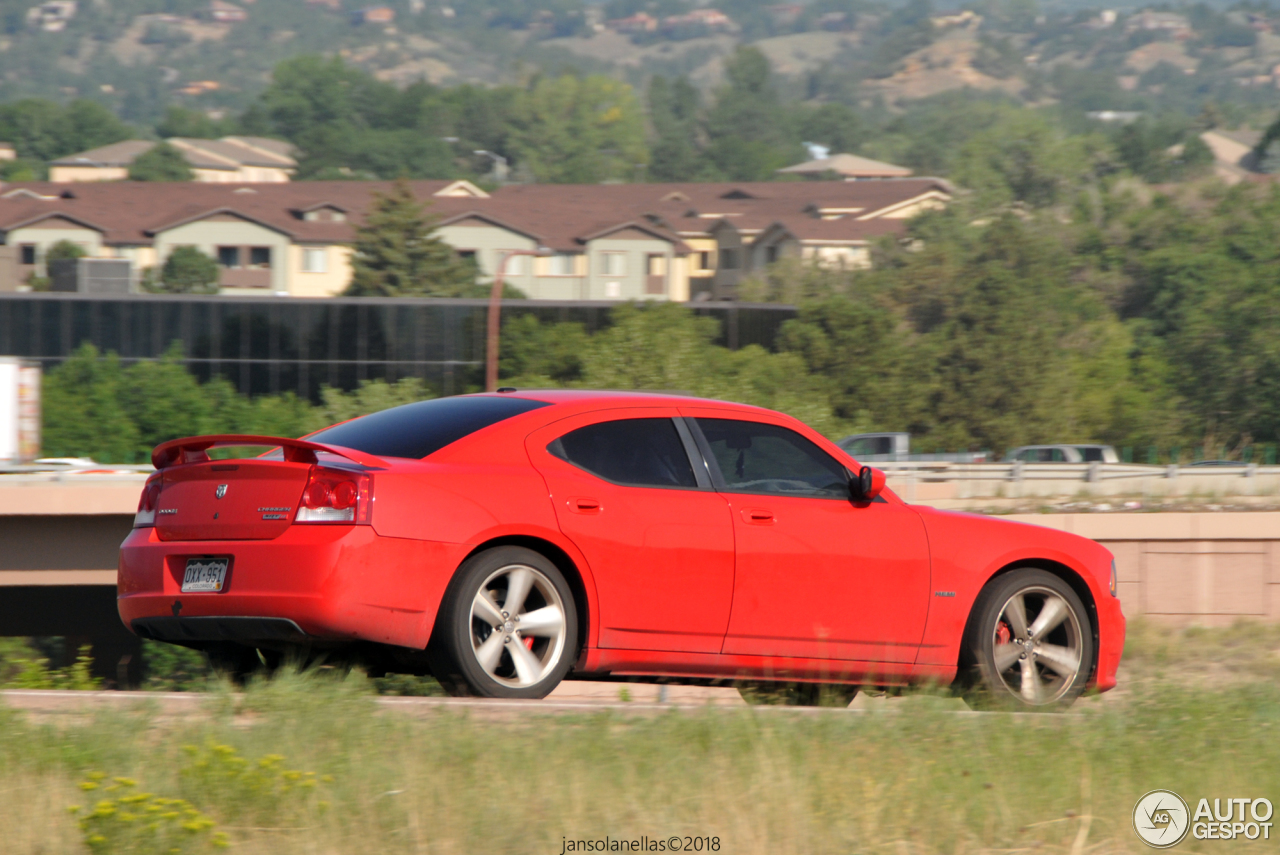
<point x="251" y="499"/>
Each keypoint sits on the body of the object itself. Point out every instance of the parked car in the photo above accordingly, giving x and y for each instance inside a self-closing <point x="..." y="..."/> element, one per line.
<point x="503" y="542"/>
<point x="896" y="447"/>
<point x="1063" y="454"/>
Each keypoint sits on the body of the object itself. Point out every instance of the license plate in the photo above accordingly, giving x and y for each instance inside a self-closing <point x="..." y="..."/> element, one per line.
<point x="204" y="575"/>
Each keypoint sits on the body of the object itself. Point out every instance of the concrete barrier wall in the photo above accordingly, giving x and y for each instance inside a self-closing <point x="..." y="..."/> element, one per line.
<point x="1182" y="568"/>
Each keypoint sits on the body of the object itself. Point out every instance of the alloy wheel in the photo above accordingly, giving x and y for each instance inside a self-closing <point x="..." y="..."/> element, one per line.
<point x="1037" y="645"/>
<point x="518" y="626"/>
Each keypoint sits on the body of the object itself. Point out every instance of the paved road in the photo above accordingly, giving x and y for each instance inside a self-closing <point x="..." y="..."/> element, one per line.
<point x="569" y="697"/>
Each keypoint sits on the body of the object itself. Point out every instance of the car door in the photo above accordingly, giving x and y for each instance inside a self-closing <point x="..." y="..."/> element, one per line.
<point x="817" y="575"/>
<point x="657" y="536"/>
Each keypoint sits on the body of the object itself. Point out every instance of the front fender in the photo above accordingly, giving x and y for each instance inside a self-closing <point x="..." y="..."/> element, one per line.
<point x="968" y="550"/>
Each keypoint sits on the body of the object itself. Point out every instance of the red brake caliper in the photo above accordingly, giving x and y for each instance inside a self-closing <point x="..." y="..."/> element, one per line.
<point x="1003" y="634"/>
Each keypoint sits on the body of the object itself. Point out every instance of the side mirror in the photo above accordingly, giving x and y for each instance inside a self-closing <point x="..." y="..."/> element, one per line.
<point x="867" y="484"/>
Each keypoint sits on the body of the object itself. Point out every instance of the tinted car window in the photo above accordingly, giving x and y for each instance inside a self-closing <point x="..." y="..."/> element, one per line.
<point x="416" y="430"/>
<point x="636" y="452"/>
<point x="760" y="458"/>
<point x="1090" y="453"/>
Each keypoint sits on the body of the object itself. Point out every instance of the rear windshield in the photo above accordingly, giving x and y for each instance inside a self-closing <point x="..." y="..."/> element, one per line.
<point x="416" y="430"/>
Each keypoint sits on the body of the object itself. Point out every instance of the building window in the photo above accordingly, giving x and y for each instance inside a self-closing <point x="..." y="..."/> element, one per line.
<point x="28" y="253"/>
<point x="229" y="256"/>
<point x="315" y="260"/>
<point x="770" y="254"/>
<point x="468" y="255"/>
<point x="562" y="264"/>
<point x="704" y="260"/>
<point x="729" y="259"/>
<point x="614" y="263"/>
<point x="260" y="257"/>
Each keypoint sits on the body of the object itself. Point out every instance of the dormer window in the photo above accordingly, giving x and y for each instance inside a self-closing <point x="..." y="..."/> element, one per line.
<point x="324" y="215"/>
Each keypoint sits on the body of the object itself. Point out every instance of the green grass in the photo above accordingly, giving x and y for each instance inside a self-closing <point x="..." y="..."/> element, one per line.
<point x="913" y="780"/>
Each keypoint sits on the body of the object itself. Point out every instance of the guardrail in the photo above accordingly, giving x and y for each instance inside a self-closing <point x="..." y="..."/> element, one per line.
<point x="921" y="480"/>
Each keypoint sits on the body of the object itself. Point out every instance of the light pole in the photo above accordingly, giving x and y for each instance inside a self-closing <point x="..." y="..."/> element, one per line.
<point x="495" y="315"/>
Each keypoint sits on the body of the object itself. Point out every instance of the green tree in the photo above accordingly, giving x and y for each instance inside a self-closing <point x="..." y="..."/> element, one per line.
<point x="187" y="270"/>
<point x="42" y="130"/>
<point x="1024" y="157"/>
<point x="343" y="118"/>
<point x="163" y="162"/>
<point x="396" y="254"/>
<point x="580" y="130"/>
<point x="83" y="411"/>
<point x="64" y="249"/>
<point x="749" y="131"/>
<point x="674" y="113"/>
<point x="181" y="122"/>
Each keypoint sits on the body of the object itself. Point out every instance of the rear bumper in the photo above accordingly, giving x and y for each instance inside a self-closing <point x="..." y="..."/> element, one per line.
<point x="312" y="583"/>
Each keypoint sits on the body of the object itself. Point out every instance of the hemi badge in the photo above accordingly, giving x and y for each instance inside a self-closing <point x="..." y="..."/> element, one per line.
<point x="944" y="593"/>
<point x="167" y="511"/>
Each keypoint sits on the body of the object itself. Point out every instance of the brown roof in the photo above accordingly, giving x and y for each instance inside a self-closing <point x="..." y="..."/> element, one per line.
<point x="562" y="217"/>
<point x="116" y="154"/>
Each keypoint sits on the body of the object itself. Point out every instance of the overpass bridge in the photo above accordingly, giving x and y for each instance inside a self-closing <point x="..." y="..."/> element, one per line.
<point x="60" y="535"/>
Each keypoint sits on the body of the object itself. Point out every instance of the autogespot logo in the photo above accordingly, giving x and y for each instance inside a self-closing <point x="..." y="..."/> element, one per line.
<point x="1161" y="819"/>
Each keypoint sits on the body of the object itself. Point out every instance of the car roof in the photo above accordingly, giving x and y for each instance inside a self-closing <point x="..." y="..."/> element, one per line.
<point x="587" y="399"/>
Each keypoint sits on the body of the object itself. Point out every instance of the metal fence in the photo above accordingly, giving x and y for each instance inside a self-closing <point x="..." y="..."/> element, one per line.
<point x="919" y="479"/>
<point x="277" y="344"/>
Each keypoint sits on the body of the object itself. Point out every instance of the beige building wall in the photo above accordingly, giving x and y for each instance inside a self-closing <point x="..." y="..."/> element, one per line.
<point x="329" y="283"/>
<point x="69" y="174"/>
<point x="45" y="234"/>
<point x="228" y="230"/>
<point x="647" y="259"/>
<point x="679" y="289"/>
<point x="243" y="175"/>
<point x="490" y="243"/>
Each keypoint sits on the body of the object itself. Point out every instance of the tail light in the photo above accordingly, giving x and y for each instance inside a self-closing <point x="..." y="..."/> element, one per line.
<point x="337" y="496"/>
<point x="146" y="515"/>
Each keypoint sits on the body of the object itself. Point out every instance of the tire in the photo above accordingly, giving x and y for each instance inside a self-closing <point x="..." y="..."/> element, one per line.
<point x="479" y="646"/>
<point x="1028" y="645"/>
<point x="763" y="693"/>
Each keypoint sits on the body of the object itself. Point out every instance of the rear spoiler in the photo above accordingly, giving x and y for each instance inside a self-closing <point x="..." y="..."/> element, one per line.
<point x="194" y="449"/>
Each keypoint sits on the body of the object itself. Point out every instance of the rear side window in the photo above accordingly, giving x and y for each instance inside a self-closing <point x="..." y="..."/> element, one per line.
<point x="634" y="452"/>
<point x="416" y="430"/>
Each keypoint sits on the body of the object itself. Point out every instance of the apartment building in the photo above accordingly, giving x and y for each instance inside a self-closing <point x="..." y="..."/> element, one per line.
<point x="675" y="242"/>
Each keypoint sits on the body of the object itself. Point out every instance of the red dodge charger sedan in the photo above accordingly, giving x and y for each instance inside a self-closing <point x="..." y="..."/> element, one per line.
<point x="503" y="542"/>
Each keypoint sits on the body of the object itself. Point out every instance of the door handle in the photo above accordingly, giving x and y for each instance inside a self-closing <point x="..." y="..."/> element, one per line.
<point x="758" y="516"/>
<point x="585" y="505"/>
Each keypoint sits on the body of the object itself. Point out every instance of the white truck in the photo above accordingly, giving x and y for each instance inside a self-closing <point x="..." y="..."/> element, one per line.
<point x="895" y="447"/>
